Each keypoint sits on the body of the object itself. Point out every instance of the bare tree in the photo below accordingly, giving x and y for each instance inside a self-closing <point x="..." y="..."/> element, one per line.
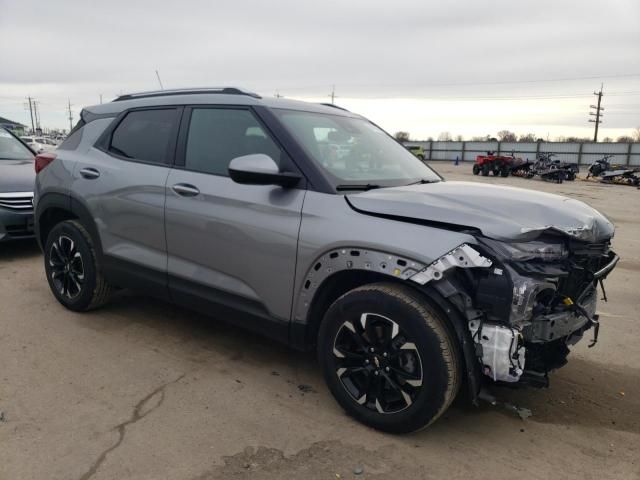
<point x="577" y="139"/>
<point x="507" y="136"/>
<point x="444" y="137"/>
<point x="459" y="138"/>
<point x="636" y="134"/>
<point x="624" y="139"/>
<point x="527" y="137"/>
<point x="607" y="140"/>
<point x="402" y="136"/>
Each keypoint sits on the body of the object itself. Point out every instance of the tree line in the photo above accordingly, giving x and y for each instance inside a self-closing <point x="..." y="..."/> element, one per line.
<point x="509" y="136"/>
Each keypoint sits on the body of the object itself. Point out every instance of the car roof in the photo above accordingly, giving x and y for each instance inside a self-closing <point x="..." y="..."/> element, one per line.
<point x="210" y="96"/>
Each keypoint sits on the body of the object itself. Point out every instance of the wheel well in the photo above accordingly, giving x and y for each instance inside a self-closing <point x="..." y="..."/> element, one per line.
<point x="331" y="289"/>
<point x="49" y="219"/>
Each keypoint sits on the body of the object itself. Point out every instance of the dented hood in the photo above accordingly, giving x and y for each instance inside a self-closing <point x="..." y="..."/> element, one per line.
<point x="503" y="213"/>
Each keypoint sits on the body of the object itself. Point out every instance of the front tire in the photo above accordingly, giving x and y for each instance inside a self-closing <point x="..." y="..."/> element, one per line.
<point x="72" y="270"/>
<point x="476" y="169"/>
<point x="388" y="357"/>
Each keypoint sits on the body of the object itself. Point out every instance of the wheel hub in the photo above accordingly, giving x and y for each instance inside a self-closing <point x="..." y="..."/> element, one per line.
<point x="377" y="364"/>
<point x="66" y="267"/>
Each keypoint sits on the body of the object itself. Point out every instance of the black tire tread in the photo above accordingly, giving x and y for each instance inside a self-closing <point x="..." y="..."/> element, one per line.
<point x="103" y="290"/>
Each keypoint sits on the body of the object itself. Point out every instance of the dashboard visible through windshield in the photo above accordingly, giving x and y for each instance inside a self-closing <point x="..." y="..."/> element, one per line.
<point x="354" y="152"/>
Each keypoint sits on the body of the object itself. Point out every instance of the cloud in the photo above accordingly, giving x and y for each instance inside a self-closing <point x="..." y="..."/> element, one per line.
<point x="405" y="49"/>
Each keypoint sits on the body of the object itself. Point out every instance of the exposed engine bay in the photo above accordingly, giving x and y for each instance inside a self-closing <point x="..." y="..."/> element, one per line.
<point x="525" y="303"/>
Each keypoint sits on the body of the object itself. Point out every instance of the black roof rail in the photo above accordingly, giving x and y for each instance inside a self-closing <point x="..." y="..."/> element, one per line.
<point x="334" y="106"/>
<point x="187" y="91"/>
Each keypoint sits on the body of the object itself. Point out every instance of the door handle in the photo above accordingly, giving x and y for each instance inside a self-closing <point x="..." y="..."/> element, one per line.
<point x="90" y="173"/>
<point x="185" y="190"/>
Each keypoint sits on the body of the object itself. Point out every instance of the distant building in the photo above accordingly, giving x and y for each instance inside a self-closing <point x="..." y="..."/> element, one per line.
<point x="15" y="127"/>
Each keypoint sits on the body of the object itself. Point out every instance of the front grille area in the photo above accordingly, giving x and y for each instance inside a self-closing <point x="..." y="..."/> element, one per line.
<point x="17" y="201"/>
<point x="584" y="260"/>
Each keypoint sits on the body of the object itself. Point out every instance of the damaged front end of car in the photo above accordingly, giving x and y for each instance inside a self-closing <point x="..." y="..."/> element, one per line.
<point x="525" y="302"/>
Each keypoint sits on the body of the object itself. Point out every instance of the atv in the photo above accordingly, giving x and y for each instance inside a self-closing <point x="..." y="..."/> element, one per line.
<point x="498" y="164"/>
<point x="609" y="173"/>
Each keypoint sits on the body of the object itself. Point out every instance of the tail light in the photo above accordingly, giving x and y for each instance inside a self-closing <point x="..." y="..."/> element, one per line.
<point x="42" y="160"/>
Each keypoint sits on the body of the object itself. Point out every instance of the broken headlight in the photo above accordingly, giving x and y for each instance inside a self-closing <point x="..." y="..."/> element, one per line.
<point x="524" y="251"/>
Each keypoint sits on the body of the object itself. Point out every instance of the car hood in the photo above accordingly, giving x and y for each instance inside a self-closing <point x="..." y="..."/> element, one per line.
<point x="502" y="213"/>
<point x="17" y="176"/>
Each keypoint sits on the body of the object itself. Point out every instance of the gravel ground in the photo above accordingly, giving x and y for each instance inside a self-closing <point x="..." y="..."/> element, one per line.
<point x="145" y="390"/>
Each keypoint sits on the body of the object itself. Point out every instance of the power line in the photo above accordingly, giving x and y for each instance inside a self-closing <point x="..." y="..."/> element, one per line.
<point x="457" y="84"/>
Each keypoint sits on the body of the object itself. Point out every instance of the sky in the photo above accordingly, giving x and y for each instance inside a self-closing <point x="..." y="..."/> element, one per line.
<point x="468" y="67"/>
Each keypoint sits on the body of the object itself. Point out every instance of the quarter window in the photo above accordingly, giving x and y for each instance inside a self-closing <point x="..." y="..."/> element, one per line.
<point x="144" y="135"/>
<point x="218" y="135"/>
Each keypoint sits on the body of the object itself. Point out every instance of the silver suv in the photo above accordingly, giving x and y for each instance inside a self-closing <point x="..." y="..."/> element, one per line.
<point x="313" y="226"/>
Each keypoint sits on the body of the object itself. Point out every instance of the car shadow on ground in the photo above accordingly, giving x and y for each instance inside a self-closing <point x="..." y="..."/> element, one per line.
<point x="19" y="250"/>
<point x="583" y="393"/>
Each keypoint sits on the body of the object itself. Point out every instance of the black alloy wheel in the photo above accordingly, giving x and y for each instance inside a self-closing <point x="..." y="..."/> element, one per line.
<point x="377" y="364"/>
<point x="66" y="267"/>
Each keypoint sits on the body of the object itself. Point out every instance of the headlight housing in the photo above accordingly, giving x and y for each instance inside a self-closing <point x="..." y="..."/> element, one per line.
<point x="525" y="251"/>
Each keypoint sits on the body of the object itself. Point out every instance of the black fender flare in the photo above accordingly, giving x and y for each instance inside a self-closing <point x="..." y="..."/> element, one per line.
<point x="75" y="207"/>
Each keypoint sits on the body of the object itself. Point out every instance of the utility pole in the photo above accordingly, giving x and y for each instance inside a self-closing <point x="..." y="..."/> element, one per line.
<point x="36" y="114"/>
<point x="71" y="116"/>
<point x="33" y="126"/>
<point x="598" y="109"/>
<point x="333" y="94"/>
<point x="100" y="99"/>
<point x="277" y="95"/>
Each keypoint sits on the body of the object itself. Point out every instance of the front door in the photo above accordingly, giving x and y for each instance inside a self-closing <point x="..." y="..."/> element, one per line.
<point x="231" y="247"/>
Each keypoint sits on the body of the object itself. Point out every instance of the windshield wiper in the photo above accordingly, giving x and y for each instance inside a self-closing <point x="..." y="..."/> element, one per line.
<point x="422" y="181"/>
<point x="357" y="186"/>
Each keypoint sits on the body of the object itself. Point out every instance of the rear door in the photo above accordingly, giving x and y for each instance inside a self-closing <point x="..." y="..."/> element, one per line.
<point x="229" y="244"/>
<point x="122" y="183"/>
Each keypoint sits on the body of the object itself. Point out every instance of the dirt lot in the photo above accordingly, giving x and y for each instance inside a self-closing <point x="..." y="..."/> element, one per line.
<point x="144" y="390"/>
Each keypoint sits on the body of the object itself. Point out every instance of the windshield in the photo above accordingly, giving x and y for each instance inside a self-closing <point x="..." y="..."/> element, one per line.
<point x="353" y="151"/>
<point x="11" y="148"/>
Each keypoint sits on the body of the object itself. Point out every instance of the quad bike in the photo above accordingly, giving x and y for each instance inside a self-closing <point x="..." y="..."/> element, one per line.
<point x="609" y="173"/>
<point x="498" y="164"/>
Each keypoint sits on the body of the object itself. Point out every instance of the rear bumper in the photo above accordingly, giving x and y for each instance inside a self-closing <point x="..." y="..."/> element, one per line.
<point x="16" y="225"/>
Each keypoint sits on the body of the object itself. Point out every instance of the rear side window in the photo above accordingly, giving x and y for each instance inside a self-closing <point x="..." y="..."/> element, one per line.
<point x="74" y="138"/>
<point x="145" y="135"/>
<point x="218" y="135"/>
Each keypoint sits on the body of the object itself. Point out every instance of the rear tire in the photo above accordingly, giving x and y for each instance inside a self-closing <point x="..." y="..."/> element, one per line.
<point x="388" y="357"/>
<point x="72" y="269"/>
<point x="504" y="172"/>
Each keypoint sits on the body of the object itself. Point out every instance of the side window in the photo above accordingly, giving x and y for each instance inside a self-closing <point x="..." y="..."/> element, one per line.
<point x="218" y="135"/>
<point x="144" y="135"/>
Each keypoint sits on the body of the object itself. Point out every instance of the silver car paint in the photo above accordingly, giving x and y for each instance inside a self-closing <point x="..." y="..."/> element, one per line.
<point x="503" y="213"/>
<point x="241" y="239"/>
<point x="126" y="200"/>
<point x="329" y="223"/>
<point x="261" y="242"/>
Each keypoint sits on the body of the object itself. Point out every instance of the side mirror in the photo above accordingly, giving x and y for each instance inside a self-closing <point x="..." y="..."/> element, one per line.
<point x="260" y="169"/>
